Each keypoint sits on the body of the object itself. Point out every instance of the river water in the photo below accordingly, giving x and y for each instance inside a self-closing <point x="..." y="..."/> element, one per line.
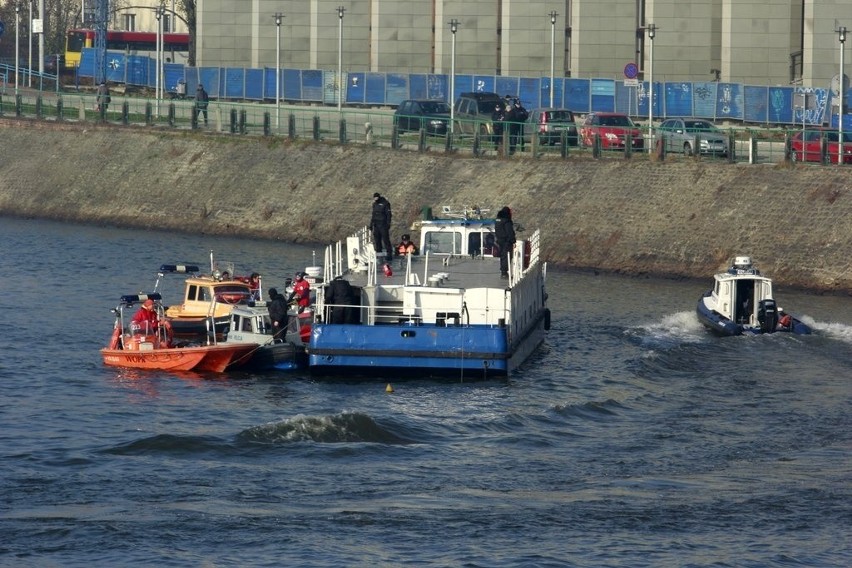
<point x="632" y="438"/>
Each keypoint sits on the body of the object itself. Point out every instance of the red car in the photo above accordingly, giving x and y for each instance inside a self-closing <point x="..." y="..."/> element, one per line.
<point x="806" y="145"/>
<point x="613" y="128"/>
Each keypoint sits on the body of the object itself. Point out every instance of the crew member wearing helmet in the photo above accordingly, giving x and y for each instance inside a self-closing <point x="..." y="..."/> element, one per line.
<point x="145" y="320"/>
<point x="301" y="291"/>
<point x="406" y="246"/>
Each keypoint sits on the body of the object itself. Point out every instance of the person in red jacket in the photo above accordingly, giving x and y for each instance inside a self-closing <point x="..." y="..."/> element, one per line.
<point x="301" y="291"/>
<point x="145" y="320"/>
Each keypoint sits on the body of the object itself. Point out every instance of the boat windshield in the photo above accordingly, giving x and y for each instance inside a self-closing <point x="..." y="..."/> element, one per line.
<point x="442" y="242"/>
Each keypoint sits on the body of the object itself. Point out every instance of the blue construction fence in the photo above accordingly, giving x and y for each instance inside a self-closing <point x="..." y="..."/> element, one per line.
<point x="711" y="100"/>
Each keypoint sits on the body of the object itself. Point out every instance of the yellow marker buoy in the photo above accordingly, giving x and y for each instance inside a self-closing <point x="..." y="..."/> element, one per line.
<point x="389" y="388"/>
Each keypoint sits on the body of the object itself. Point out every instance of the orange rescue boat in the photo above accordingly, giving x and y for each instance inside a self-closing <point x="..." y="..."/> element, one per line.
<point x="153" y="348"/>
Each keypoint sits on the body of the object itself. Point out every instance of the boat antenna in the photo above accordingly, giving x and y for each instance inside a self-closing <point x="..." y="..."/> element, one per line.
<point x="212" y="268"/>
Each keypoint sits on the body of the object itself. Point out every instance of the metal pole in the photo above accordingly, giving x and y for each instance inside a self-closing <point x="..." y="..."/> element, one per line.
<point x="30" y="43"/>
<point x="340" y="11"/>
<point x="454" y="27"/>
<point x="17" y="42"/>
<point x="652" y="31"/>
<point x="159" y="16"/>
<point x="159" y="74"/>
<point x="41" y="43"/>
<point x="553" y="15"/>
<point x="841" y="35"/>
<point x="278" y="17"/>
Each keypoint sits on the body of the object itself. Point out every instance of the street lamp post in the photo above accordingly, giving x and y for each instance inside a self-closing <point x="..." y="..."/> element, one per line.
<point x="652" y="32"/>
<point x="17" y="42"/>
<point x="30" y="44"/>
<point x="278" y="17"/>
<point x="841" y="36"/>
<point x="553" y="15"/>
<point x="158" y="13"/>
<point x="454" y="27"/>
<point x="340" y="11"/>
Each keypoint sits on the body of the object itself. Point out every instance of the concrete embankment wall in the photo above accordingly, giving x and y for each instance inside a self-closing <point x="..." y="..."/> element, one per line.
<point x="677" y="218"/>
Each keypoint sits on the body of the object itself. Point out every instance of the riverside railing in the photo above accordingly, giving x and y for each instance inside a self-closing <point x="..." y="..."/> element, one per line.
<point x="376" y="127"/>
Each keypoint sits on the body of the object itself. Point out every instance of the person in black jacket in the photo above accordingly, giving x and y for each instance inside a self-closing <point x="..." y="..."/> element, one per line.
<point x="380" y="222"/>
<point x="201" y="101"/>
<point x="340" y="298"/>
<point x="278" y="313"/>
<point x="497" y="118"/>
<point x="504" y="232"/>
<point x="519" y="117"/>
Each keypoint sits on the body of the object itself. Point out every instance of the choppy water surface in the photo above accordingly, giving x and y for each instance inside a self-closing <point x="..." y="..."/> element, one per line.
<point x="633" y="438"/>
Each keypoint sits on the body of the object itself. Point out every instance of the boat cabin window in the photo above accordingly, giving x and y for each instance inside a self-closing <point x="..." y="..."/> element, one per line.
<point x="442" y="242"/>
<point x="196" y="293"/>
<point x="475" y="244"/>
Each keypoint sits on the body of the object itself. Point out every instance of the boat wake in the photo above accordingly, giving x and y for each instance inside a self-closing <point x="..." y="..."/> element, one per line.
<point x="832" y="330"/>
<point x="673" y="330"/>
<point x="338" y="428"/>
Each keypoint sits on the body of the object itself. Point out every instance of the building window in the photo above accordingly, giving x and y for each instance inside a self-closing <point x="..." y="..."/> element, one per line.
<point x="130" y="22"/>
<point x="167" y="23"/>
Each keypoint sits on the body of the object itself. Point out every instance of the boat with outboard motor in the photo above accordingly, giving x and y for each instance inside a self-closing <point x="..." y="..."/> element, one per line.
<point x="207" y="298"/>
<point x="136" y="347"/>
<point x="285" y="351"/>
<point x="444" y="312"/>
<point x="741" y="302"/>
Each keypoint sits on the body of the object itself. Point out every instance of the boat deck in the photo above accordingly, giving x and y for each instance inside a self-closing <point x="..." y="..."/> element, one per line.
<point x="439" y="271"/>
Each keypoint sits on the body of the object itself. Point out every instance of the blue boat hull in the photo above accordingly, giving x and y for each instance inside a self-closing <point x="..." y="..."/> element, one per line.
<point x="420" y="350"/>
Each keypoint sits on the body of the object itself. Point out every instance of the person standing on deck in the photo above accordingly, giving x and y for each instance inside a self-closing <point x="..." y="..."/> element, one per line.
<point x="504" y="232"/>
<point x="277" y="313"/>
<point x="380" y="222"/>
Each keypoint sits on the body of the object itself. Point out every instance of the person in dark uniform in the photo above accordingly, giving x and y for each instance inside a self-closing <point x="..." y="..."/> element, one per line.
<point x="504" y="232"/>
<point x="201" y="102"/>
<point x="519" y="117"/>
<point x="380" y="222"/>
<point x="278" y="313"/>
<point x="497" y="118"/>
<point x="340" y="297"/>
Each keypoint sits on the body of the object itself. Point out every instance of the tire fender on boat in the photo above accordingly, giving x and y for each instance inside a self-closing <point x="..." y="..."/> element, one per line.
<point x="547" y="319"/>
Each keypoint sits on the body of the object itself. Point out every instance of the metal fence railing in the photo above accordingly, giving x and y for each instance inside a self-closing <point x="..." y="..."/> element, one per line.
<point x="376" y="127"/>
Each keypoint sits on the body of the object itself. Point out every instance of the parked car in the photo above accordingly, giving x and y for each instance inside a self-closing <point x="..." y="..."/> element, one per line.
<point x="693" y="135"/>
<point x="549" y="123"/>
<point x="613" y="128"/>
<point x="474" y="110"/>
<point x="806" y="145"/>
<point x="430" y="115"/>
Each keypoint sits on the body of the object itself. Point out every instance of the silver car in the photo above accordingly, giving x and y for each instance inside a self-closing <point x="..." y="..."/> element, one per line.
<point x="693" y="135"/>
<point x="549" y="123"/>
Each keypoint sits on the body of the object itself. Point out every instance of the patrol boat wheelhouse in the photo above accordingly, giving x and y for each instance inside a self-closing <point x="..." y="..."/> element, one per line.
<point x="444" y="312"/>
<point x="741" y="301"/>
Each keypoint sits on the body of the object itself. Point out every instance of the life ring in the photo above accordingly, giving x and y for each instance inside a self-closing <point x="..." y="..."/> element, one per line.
<point x="231" y="298"/>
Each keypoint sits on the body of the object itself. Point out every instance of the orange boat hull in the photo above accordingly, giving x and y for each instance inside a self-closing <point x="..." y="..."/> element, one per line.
<point x="212" y="358"/>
